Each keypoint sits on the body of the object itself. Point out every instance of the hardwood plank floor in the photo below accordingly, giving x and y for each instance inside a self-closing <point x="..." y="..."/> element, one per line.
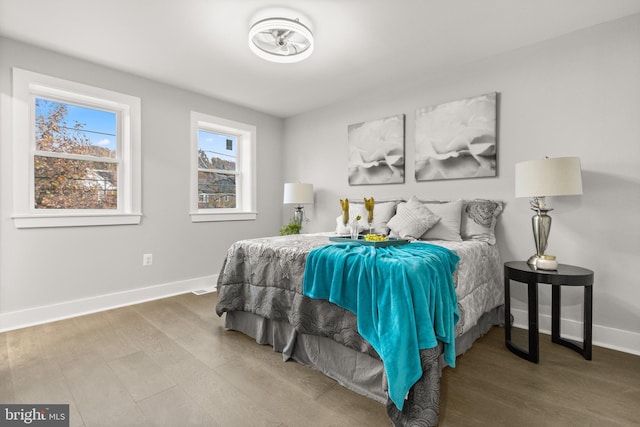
<point x="171" y="363"/>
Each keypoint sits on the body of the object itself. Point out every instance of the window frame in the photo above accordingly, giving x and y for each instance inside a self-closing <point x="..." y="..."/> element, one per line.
<point x="27" y="86"/>
<point x="245" y="134"/>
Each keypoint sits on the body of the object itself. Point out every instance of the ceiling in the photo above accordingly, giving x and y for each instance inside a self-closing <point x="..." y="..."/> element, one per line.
<point x="201" y="45"/>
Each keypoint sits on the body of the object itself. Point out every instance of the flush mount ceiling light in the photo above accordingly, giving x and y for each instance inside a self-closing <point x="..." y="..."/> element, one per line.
<point x="285" y="38"/>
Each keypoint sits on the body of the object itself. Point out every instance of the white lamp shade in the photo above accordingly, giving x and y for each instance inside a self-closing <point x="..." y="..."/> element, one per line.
<point x="298" y="194"/>
<point x="559" y="176"/>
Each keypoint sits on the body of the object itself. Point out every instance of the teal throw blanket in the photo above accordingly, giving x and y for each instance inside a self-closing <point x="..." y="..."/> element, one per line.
<point x="403" y="296"/>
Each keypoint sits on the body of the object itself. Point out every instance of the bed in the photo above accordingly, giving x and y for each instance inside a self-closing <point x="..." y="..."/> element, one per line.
<point x="260" y="288"/>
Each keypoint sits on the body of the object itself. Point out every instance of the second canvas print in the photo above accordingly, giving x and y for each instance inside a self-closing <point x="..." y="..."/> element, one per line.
<point x="457" y="139"/>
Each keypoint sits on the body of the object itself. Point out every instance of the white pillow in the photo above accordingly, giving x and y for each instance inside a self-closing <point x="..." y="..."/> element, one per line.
<point x="448" y="228"/>
<point x="412" y="220"/>
<point x="382" y="213"/>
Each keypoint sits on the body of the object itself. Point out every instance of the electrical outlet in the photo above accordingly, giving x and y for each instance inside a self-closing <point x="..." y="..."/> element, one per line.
<point x="147" y="259"/>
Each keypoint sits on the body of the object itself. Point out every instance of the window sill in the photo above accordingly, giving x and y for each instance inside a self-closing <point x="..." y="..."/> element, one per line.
<point x="223" y="216"/>
<point x="74" y="220"/>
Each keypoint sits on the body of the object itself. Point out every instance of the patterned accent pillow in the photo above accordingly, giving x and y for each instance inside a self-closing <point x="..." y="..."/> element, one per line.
<point x="412" y="220"/>
<point x="479" y="219"/>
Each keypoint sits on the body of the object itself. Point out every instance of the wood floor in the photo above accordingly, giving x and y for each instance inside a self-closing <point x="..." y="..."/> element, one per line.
<point x="171" y="363"/>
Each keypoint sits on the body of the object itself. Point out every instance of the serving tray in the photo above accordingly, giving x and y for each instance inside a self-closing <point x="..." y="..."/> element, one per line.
<point x="391" y="241"/>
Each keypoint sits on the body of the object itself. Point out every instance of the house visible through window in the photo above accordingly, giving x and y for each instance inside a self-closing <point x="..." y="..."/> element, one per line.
<point x="223" y="169"/>
<point x="217" y="160"/>
<point x="75" y="160"/>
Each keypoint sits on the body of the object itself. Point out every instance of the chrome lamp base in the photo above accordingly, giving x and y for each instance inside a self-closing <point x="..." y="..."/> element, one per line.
<point x="298" y="214"/>
<point x="541" y="224"/>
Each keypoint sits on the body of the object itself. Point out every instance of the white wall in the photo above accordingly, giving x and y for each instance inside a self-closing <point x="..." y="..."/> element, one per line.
<point x="49" y="273"/>
<point x="578" y="95"/>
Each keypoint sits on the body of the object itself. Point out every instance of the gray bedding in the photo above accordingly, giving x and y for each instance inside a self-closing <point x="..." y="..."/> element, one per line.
<point x="263" y="277"/>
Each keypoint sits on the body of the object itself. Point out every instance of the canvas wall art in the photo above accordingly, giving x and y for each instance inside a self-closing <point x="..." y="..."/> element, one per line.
<point x="457" y="139"/>
<point x="376" y="151"/>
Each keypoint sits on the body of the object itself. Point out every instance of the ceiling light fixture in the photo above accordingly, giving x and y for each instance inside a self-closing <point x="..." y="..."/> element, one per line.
<point x="281" y="39"/>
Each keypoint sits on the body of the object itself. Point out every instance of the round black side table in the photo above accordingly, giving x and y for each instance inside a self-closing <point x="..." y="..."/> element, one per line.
<point x="565" y="275"/>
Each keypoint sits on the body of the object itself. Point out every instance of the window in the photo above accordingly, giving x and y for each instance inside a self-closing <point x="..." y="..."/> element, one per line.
<point x="77" y="154"/>
<point x="75" y="164"/>
<point x="217" y="170"/>
<point x="223" y="169"/>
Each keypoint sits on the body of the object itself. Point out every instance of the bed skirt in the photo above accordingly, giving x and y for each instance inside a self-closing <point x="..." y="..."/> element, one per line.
<point x="354" y="370"/>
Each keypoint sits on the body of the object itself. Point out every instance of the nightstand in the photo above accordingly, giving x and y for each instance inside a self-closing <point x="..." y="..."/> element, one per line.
<point x="565" y="275"/>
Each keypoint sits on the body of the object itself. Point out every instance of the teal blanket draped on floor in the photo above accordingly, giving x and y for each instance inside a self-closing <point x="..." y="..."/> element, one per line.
<point x="403" y="296"/>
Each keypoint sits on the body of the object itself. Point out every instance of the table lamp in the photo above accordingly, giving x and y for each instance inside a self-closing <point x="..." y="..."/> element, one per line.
<point x="298" y="194"/>
<point x="559" y="176"/>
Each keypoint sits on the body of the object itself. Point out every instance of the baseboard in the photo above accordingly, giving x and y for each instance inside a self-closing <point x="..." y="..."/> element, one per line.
<point x="603" y="336"/>
<point x="51" y="313"/>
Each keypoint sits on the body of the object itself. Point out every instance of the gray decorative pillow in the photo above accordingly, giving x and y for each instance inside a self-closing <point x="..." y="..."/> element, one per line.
<point x="412" y="220"/>
<point x="449" y="226"/>
<point x="479" y="219"/>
